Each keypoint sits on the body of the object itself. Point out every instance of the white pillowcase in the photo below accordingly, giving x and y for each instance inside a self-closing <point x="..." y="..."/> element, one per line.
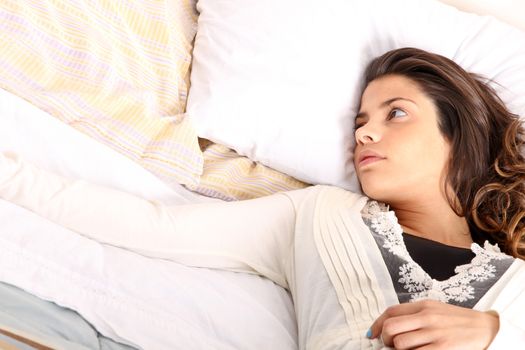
<point x="279" y="80"/>
<point x="510" y="11"/>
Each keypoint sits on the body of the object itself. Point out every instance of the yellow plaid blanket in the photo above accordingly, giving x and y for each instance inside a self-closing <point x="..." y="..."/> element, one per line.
<point x="118" y="70"/>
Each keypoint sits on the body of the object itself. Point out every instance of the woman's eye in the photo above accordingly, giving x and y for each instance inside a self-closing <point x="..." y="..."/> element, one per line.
<point x="396" y="112"/>
<point x="357" y="126"/>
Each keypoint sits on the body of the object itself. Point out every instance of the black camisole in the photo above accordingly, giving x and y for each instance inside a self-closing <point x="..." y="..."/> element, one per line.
<point x="437" y="259"/>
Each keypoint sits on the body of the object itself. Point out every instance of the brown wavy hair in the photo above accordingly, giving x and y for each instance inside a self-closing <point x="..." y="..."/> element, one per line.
<point x="486" y="167"/>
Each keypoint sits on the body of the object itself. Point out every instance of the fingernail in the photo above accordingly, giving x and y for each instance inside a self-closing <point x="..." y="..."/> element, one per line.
<point x="369" y="333"/>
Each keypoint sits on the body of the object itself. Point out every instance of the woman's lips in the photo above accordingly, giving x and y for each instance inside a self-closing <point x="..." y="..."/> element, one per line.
<point x="369" y="160"/>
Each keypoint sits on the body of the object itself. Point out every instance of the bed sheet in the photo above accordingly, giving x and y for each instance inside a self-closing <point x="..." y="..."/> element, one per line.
<point x="55" y="146"/>
<point x="146" y="303"/>
<point x="46" y="324"/>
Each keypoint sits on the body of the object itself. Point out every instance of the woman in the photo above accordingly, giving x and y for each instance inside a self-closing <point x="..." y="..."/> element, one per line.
<point x="432" y="142"/>
<point x="459" y="180"/>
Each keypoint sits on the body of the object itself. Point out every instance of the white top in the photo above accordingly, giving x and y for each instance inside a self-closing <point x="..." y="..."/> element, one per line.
<point x="326" y="245"/>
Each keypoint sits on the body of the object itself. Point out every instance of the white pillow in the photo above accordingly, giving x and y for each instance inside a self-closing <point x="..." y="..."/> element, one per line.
<point x="279" y="80"/>
<point x="510" y="11"/>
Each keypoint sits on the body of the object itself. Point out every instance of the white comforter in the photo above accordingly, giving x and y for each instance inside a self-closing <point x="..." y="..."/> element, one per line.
<point x="148" y="303"/>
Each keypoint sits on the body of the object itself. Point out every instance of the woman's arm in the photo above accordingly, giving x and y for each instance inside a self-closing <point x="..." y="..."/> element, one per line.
<point x="250" y="236"/>
<point x="510" y="335"/>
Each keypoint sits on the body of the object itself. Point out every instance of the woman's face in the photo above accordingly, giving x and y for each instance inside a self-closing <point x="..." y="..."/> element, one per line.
<point x="400" y="154"/>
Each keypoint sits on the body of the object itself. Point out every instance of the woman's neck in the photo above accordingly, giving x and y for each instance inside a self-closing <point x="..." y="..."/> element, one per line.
<point x="435" y="221"/>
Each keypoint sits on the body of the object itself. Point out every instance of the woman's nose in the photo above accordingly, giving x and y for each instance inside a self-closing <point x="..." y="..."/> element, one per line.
<point x="367" y="134"/>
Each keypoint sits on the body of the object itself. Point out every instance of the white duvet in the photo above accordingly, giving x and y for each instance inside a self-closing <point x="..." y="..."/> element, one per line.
<point x="147" y="303"/>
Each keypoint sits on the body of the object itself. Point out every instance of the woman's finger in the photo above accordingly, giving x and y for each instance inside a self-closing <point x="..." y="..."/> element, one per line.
<point x="415" y="339"/>
<point x="398" y="310"/>
<point x="429" y="347"/>
<point x="399" y="325"/>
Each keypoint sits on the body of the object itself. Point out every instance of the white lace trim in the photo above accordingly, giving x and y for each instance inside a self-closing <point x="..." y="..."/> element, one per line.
<point x="414" y="279"/>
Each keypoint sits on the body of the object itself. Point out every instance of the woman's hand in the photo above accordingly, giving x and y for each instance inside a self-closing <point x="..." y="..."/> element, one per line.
<point x="433" y="325"/>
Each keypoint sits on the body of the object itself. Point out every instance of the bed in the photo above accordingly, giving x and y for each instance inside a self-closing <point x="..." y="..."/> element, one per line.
<point x="157" y="98"/>
<point x="145" y="303"/>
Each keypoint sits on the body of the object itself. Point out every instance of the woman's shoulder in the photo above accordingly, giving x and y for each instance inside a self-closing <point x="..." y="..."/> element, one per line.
<point x="326" y="195"/>
<point x="334" y="191"/>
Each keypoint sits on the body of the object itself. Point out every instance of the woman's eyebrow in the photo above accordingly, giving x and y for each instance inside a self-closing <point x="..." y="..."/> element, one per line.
<point x="389" y="101"/>
<point x="384" y="104"/>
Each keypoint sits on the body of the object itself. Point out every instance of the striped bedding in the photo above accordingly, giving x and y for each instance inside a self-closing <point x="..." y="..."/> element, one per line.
<point x="229" y="176"/>
<point x="118" y="70"/>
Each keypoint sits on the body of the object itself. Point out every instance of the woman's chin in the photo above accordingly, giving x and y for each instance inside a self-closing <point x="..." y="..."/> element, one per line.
<point x="378" y="193"/>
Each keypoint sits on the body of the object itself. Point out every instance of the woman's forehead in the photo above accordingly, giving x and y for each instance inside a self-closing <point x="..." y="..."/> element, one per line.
<point x="388" y="88"/>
